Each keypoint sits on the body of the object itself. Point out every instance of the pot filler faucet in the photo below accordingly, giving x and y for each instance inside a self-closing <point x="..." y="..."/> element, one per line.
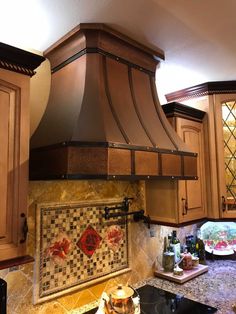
<point x="124" y="212"/>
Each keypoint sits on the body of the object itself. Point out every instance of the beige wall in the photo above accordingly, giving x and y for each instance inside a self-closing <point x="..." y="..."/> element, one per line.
<point x="40" y="85"/>
<point x="145" y="250"/>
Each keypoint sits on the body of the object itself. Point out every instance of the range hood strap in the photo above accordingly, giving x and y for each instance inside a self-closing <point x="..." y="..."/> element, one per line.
<point x="136" y="107"/>
<point x="110" y="101"/>
<point x="157" y="107"/>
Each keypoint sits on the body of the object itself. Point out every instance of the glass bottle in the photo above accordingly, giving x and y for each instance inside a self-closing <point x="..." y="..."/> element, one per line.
<point x="175" y="245"/>
<point x="169" y="247"/>
<point x="190" y="243"/>
<point x="200" y="248"/>
<point x="168" y="260"/>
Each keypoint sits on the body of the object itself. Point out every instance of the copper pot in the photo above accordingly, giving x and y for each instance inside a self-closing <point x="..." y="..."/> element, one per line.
<point x="121" y="300"/>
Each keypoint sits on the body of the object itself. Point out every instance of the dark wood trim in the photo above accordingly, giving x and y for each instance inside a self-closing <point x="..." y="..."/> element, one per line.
<point x="178" y="225"/>
<point x="222" y="219"/>
<point x="103" y="53"/>
<point x="15" y="68"/>
<point x="18" y="60"/>
<point x="16" y="261"/>
<point x="202" y="221"/>
<point x="208" y="88"/>
<point x="176" y="109"/>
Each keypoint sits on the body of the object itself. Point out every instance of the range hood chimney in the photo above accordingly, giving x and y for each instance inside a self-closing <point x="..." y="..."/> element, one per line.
<point x="103" y="118"/>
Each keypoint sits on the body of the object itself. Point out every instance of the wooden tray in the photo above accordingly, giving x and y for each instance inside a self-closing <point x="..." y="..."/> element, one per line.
<point x="187" y="275"/>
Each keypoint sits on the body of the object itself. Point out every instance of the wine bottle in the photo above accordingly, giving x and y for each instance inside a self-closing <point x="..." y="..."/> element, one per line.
<point x="169" y="247"/>
<point x="168" y="259"/>
<point x="200" y="248"/>
<point x="190" y="244"/>
<point x="175" y="245"/>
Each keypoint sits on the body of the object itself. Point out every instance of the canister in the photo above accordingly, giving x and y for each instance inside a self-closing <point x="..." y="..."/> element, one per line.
<point x="195" y="261"/>
<point x="187" y="261"/>
<point x="168" y="261"/>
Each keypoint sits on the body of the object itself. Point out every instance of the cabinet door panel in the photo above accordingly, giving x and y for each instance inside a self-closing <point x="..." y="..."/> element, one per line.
<point x="226" y="150"/>
<point x="13" y="198"/>
<point x="192" y="193"/>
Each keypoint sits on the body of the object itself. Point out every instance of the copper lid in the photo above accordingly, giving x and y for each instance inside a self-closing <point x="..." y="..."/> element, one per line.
<point x="122" y="292"/>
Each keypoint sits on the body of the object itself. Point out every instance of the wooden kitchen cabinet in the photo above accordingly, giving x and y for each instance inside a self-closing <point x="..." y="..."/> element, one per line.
<point x="183" y="201"/>
<point x="16" y="68"/>
<point x="225" y="111"/>
<point x="191" y="193"/>
<point x="218" y="99"/>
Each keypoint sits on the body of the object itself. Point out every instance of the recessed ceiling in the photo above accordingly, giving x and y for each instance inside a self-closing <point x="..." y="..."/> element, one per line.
<point x="197" y="36"/>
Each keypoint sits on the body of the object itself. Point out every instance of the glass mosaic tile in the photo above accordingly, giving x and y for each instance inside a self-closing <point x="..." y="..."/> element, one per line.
<point x="75" y="245"/>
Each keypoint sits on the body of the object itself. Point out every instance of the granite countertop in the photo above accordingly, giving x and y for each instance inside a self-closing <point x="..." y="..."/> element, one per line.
<point x="217" y="287"/>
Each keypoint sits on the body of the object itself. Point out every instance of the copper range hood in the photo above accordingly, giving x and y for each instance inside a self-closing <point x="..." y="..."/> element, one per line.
<point x="103" y="118"/>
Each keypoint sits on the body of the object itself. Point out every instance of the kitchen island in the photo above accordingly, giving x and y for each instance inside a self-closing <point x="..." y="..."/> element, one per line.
<point x="217" y="287"/>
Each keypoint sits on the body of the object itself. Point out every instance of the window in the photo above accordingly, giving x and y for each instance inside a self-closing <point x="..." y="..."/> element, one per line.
<point x="219" y="237"/>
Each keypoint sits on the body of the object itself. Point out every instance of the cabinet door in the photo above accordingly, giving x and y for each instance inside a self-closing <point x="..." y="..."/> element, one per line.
<point x="226" y="149"/>
<point x="192" y="193"/>
<point x="13" y="164"/>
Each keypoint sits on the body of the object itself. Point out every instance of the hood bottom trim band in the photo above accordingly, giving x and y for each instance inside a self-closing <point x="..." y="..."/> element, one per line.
<point x="73" y="162"/>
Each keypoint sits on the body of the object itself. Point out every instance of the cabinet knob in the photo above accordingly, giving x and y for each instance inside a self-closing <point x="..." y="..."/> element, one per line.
<point x="223" y="203"/>
<point x="184" y="206"/>
<point x="24" y="229"/>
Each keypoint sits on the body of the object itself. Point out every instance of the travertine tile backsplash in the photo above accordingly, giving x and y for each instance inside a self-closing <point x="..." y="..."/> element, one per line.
<point x="145" y="251"/>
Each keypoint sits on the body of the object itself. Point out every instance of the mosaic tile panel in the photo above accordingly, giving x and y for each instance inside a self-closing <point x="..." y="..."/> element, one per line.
<point x="75" y="245"/>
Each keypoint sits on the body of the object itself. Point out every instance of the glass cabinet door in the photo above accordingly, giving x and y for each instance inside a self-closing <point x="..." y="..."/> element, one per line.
<point x="227" y="157"/>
